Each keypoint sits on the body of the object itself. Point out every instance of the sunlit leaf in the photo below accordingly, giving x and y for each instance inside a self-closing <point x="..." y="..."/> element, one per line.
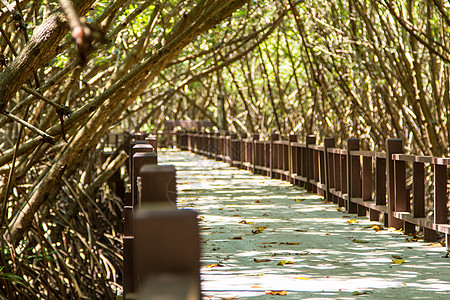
<point x="303" y="278"/>
<point x="277" y="293"/>
<point x="214" y="265"/>
<point x="436" y="245"/>
<point x="375" y="227"/>
<point x="352" y="221"/>
<point x="255" y="286"/>
<point x="285" y="262"/>
<point x="398" y="261"/>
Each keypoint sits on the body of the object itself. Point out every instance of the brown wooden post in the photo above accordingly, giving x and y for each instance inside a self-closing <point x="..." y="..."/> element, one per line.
<point x="310" y="141"/>
<point x="153" y="140"/>
<point x="255" y="156"/>
<point x="292" y="157"/>
<point x="140" y="159"/>
<point x="274" y="153"/>
<point x="167" y="254"/>
<point x="353" y="175"/>
<point x="157" y="184"/>
<point x="393" y="146"/>
<point x="440" y="194"/>
<point x="367" y="180"/>
<point x="380" y="187"/>
<point x="128" y="266"/>
<point x="329" y="142"/>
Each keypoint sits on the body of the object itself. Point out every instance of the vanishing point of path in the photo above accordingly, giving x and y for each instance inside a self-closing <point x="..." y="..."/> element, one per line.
<point x="261" y="235"/>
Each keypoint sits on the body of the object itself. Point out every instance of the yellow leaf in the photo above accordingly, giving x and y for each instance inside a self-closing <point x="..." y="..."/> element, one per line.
<point x="303" y="278"/>
<point x="237" y="238"/>
<point x="214" y="265"/>
<point x="278" y="293"/>
<point x="285" y="262"/>
<point x="398" y="261"/>
<point x="299" y="200"/>
<point x="352" y="221"/>
<point x="375" y="227"/>
<point x="256" y="286"/>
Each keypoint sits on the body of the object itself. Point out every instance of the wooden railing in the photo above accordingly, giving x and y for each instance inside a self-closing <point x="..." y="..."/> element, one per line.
<point x="155" y="230"/>
<point x="364" y="182"/>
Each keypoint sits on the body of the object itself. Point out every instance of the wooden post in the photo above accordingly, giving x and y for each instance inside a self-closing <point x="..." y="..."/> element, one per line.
<point x="273" y="154"/>
<point x="393" y="146"/>
<point x="167" y="254"/>
<point x="308" y="162"/>
<point x="329" y="142"/>
<point x="157" y="184"/>
<point x="353" y="175"/>
<point x="292" y="157"/>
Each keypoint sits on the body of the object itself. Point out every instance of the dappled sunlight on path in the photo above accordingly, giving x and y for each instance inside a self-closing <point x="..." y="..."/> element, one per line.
<point x="261" y="235"/>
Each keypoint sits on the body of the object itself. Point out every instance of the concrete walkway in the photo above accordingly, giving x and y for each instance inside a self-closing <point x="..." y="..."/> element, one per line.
<point x="262" y="237"/>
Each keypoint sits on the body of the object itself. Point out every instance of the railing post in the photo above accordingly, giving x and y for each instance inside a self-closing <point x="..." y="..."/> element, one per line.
<point x="329" y="142"/>
<point x="242" y="145"/>
<point x="440" y="195"/>
<point x="353" y="175"/>
<point x="393" y="146"/>
<point x="255" y="154"/>
<point x="273" y="153"/>
<point x="157" y="184"/>
<point x="292" y="157"/>
<point x="310" y="140"/>
<point x="367" y="180"/>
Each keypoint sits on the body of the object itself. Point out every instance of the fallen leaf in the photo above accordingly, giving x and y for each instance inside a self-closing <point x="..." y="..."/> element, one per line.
<point x="303" y="278"/>
<point x="237" y="238"/>
<point x="328" y="233"/>
<point x="237" y="216"/>
<point x="214" y="265"/>
<point x="435" y="245"/>
<point x="352" y="221"/>
<point x="258" y="230"/>
<point x="290" y="243"/>
<point x="398" y="261"/>
<point x="357" y="293"/>
<point x="265" y="215"/>
<point x="342" y="209"/>
<point x="299" y="200"/>
<point x="359" y="241"/>
<point x="278" y="293"/>
<point x="285" y="262"/>
<point x="257" y="201"/>
<point x="300" y="230"/>
<point x="245" y="222"/>
<point x="256" y="286"/>
<point x="375" y="227"/>
<point x="261" y="260"/>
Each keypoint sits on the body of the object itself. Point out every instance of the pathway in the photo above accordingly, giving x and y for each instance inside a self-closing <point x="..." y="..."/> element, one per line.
<point x="261" y="236"/>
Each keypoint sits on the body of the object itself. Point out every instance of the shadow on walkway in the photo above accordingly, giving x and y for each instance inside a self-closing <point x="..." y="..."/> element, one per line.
<point x="261" y="235"/>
